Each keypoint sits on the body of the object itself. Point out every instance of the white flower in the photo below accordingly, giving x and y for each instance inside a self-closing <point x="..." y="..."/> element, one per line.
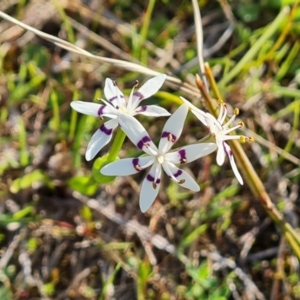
<point x="159" y="158"/>
<point x="115" y="104"/>
<point x="220" y="131"/>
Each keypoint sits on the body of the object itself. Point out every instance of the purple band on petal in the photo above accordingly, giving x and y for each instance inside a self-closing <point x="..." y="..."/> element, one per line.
<point x="105" y="130"/>
<point x="101" y="110"/>
<point x="178" y="173"/>
<point x="135" y="161"/>
<point x="167" y="134"/>
<point x="182" y="155"/>
<point x="136" y="165"/>
<point x="139" y="95"/>
<point x="142" y="108"/>
<point x="151" y="179"/>
<point x="143" y="141"/>
<point x="227" y="150"/>
<point x="113" y="98"/>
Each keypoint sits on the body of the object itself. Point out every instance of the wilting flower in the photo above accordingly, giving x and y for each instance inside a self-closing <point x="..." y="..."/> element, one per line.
<point x="115" y="105"/>
<point x="159" y="158"/>
<point x="220" y="130"/>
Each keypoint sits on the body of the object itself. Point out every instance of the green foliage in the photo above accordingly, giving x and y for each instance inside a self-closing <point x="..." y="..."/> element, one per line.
<point x="205" y="285"/>
<point x="28" y="179"/>
<point x="116" y="248"/>
<point x="83" y="184"/>
<point x="98" y="165"/>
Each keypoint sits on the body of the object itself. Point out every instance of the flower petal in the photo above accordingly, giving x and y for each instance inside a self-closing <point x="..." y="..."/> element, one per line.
<point x="87" y="108"/>
<point x="221" y="153"/>
<point x="100" y="138"/>
<point x="150" y="189"/>
<point x="233" y="164"/>
<point x="148" y="89"/>
<point x="126" y="166"/>
<point x="173" y="128"/>
<point x="190" y="153"/>
<point x="108" y="110"/>
<point x="152" y="111"/>
<point x="137" y="134"/>
<point x="200" y="114"/>
<point x="181" y="177"/>
<point x="113" y="94"/>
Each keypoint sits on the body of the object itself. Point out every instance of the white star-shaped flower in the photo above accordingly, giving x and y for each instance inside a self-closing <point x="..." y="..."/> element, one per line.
<point x="115" y="105"/>
<point x="159" y="158"/>
<point x="220" y="130"/>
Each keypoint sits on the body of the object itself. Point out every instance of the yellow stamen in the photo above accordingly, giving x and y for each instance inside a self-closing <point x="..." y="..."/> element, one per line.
<point x="241" y="124"/>
<point x="221" y="102"/>
<point x="236" y="111"/>
<point x="243" y="139"/>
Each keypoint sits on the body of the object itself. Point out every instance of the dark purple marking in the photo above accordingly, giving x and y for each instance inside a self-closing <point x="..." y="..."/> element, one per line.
<point x="178" y="173"/>
<point x="182" y="155"/>
<point x="167" y="134"/>
<point x="136" y="165"/>
<point x="139" y="95"/>
<point x="142" y="108"/>
<point x="101" y="110"/>
<point x="228" y="151"/>
<point x="143" y="141"/>
<point x="106" y="130"/>
<point x="151" y="179"/>
<point x="113" y="98"/>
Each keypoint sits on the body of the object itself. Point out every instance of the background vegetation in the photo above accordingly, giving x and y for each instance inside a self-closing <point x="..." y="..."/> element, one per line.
<point x="65" y="236"/>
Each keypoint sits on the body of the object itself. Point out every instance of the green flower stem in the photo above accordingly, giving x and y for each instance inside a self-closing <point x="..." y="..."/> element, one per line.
<point x="146" y="24"/>
<point x="251" y="176"/>
<point x="116" y="146"/>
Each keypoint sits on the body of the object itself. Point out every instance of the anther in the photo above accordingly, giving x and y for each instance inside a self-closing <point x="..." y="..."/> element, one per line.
<point x="243" y="139"/>
<point x="138" y="167"/>
<point x="170" y="138"/>
<point x="241" y="124"/>
<point x="236" y="111"/>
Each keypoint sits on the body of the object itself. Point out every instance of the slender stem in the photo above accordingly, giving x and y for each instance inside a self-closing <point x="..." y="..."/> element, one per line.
<point x="199" y="40"/>
<point x="146" y="24"/>
<point x="116" y="145"/>
<point x="253" y="179"/>
<point x="212" y="82"/>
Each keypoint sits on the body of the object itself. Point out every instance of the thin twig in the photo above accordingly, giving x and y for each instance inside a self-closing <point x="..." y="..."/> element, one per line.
<point x="199" y="37"/>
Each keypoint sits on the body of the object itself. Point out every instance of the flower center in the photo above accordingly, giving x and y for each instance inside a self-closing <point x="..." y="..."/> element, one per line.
<point x="160" y="159"/>
<point x="124" y="109"/>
